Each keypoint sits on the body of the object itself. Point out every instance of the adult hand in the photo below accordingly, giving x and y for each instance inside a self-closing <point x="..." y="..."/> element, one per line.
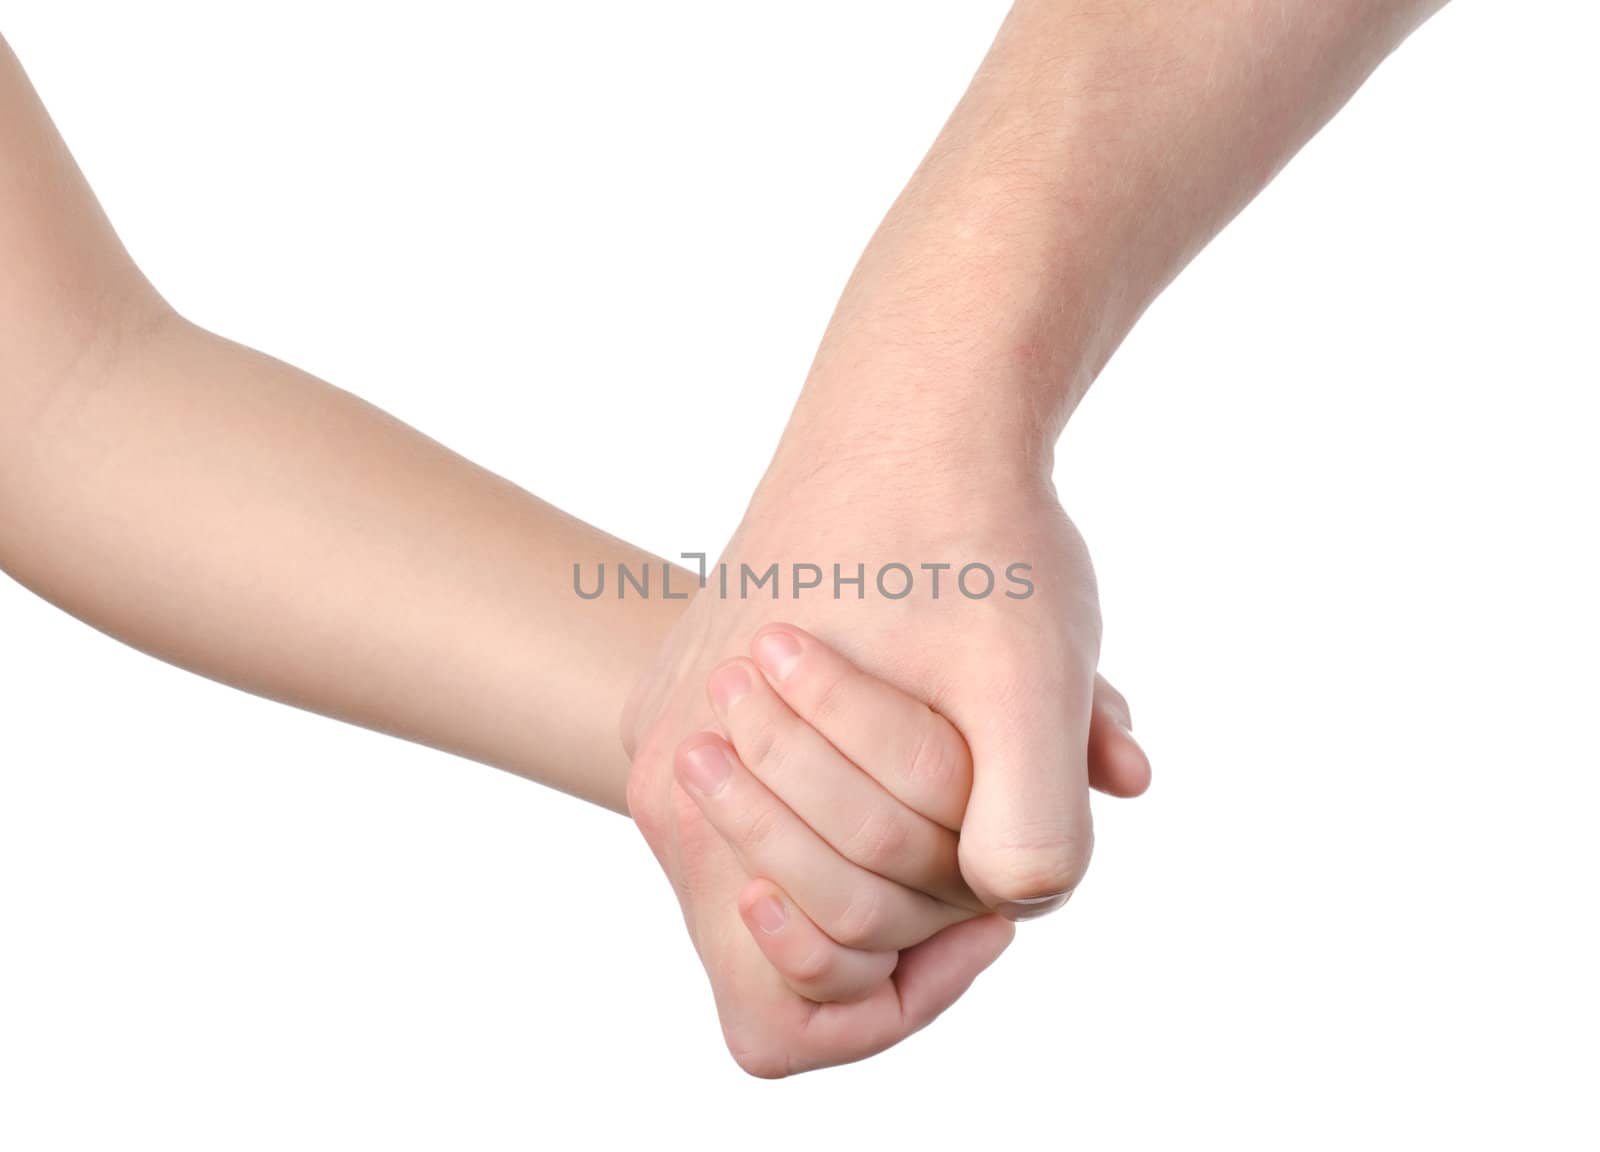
<point x="1014" y="673"/>
<point x="1063" y="194"/>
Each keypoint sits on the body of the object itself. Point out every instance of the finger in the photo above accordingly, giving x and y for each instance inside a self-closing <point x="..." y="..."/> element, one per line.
<point x="841" y="802"/>
<point x="1118" y="766"/>
<point x="911" y="750"/>
<point x="1028" y="834"/>
<point x="809" y="961"/>
<point x="936" y="973"/>
<point x="856" y="908"/>
<point x="930" y="978"/>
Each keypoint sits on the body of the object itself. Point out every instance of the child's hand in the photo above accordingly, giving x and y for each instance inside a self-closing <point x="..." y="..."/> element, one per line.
<point x="841" y="795"/>
<point x="844" y="794"/>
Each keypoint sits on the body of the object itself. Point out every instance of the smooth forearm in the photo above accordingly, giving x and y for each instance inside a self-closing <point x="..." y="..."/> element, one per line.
<point x="1099" y="147"/>
<point x="235" y="516"/>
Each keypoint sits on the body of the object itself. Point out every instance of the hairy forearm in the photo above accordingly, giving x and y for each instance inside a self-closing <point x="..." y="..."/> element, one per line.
<point x="1099" y="147"/>
<point x="238" y="517"/>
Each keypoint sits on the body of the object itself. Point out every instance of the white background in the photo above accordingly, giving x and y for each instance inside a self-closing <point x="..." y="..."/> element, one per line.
<point x="1340" y="486"/>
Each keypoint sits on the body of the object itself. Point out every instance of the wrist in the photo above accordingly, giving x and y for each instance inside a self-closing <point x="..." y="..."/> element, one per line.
<point x="979" y="314"/>
<point x="941" y="435"/>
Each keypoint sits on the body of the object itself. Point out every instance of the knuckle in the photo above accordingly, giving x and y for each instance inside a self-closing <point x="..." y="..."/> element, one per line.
<point x="1115" y="703"/>
<point x="879" y="840"/>
<point x="756" y="1056"/>
<point x="766" y="744"/>
<point x="782" y="758"/>
<point x="760" y="831"/>
<point x="1034" y="866"/>
<point x="859" y="923"/>
<point x="812" y="967"/>
<point x="830" y="699"/>
<point x="758" y="739"/>
<point x="940" y="760"/>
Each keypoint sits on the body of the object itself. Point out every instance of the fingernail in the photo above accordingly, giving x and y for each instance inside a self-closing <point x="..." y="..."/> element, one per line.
<point x="729" y="685"/>
<point x="777" y="653"/>
<point x="706" y="769"/>
<point x="769" y="915"/>
<point x="1034" y="908"/>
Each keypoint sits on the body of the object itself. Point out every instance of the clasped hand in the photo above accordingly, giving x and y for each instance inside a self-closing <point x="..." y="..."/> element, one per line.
<point x="854" y="797"/>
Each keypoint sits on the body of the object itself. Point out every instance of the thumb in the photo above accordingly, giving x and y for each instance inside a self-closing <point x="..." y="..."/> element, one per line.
<point x="1027" y="833"/>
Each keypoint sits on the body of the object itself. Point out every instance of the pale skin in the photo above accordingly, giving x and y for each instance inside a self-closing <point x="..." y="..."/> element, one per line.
<point x="229" y="513"/>
<point x="1098" y="148"/>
